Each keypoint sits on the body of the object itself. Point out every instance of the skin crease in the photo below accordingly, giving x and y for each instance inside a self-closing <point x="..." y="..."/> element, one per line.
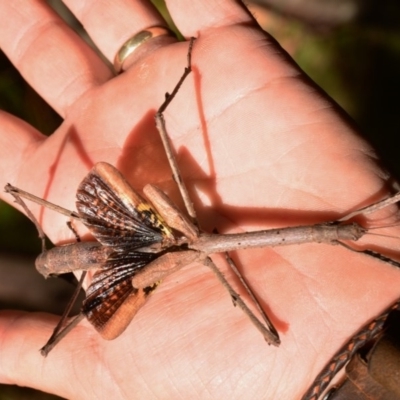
<point x="259" y="146"/>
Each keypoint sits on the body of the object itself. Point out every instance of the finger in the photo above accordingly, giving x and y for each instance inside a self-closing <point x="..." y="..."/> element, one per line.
<point x="16" y="138"/>
<point x="22" y="334"/>
<point x="123" y="20"/>
<point x="193" y="16"/>
<point x="50" y="56"/>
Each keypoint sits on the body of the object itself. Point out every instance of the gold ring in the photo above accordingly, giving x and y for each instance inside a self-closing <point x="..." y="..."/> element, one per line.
<point x="135" y="41"/>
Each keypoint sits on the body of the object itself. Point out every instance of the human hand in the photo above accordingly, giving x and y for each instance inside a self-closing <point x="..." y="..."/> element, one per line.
<point x="259" y="147"/>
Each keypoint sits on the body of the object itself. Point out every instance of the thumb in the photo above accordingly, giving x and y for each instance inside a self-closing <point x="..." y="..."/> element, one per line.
<point x="22" y="334"/>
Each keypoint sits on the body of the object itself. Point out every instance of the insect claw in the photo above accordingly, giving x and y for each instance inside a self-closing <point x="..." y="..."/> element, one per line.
<point x="234" y="300"/>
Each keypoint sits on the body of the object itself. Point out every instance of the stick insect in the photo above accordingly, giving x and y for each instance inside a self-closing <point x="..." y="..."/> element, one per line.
<point x="139" y="244"/>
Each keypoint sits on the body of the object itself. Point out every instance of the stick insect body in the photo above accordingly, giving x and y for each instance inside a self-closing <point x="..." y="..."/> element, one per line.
<point x="139" y="244"/>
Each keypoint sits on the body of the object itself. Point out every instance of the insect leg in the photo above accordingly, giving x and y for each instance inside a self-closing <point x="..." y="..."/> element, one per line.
<point x="372" y="253"/>
<point x="54" y="339"/>
<point x="60" y="331"/>
<point x="18" y="194"/>
<point x="270" y="336"/>
<point x="373" y="207"/>
<point x="160" y="124"/>
<point x="253" y="297"/>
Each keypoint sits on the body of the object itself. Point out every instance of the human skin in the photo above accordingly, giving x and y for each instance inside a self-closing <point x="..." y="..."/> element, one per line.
<point x="259" y="147"/>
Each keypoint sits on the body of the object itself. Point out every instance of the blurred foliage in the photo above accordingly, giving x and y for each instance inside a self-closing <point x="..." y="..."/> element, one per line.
<point x="17" y="233"/>
<point x="19" y="99"/>
<point x="162" y="8"/>
<point x="8" y="392"/>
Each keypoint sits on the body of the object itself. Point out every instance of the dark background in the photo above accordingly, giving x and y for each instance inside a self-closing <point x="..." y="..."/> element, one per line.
<point x="350" y="48"/>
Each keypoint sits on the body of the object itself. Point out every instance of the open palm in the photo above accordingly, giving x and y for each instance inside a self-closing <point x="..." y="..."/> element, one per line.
<point x="259" y="147"/>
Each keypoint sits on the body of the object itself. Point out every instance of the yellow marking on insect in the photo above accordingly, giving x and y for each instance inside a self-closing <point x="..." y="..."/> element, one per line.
<point x="149" y="214"/>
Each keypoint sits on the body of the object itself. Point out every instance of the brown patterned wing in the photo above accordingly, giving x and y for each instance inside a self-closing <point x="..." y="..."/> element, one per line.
<point x="111" y="300"/>
<point x="115" y="213"/>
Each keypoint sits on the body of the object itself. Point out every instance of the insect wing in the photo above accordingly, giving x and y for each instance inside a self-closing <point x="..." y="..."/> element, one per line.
<point x="115" y="213"/>
<point x="111" y="300"/>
